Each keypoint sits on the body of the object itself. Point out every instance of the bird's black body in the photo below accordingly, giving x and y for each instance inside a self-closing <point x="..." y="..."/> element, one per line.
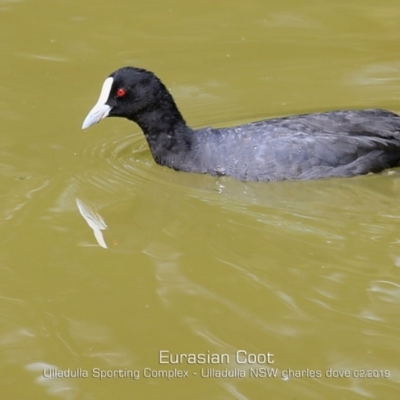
<point x="310" y="146"/>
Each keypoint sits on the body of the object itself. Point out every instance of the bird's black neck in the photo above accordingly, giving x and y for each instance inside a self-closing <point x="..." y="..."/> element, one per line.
<point x="166" y="132"/>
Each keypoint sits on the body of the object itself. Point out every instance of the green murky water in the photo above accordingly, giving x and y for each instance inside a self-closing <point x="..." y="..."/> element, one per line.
<point x="305" y="271"/>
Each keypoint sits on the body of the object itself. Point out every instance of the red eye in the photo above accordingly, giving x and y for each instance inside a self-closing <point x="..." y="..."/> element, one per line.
<point x="121" y="92"/>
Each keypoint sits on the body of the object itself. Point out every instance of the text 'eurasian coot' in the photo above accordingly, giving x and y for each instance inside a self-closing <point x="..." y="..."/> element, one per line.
<point x="309" y="146"/>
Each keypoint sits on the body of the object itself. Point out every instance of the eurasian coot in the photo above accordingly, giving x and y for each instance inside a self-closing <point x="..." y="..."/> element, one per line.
<point x="309" y="146"/>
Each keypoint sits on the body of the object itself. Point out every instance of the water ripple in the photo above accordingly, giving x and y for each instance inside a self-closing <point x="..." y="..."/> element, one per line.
<point x="125" y="162"/>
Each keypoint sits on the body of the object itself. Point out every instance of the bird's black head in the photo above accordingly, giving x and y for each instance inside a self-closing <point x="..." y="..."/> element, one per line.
<point x="128" y="92"/>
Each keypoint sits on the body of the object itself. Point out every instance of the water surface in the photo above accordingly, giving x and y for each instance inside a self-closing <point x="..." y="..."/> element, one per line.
<point x="306" y="271"/>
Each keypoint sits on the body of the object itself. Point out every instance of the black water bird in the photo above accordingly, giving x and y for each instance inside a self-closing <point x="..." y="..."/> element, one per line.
<point x="310" y="146"/>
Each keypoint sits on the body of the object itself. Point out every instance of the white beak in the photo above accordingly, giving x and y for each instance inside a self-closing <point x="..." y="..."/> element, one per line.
<point x="101" y="109"/>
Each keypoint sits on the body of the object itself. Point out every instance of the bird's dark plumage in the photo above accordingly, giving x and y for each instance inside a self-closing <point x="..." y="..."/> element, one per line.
<point x="309" y="146"/>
